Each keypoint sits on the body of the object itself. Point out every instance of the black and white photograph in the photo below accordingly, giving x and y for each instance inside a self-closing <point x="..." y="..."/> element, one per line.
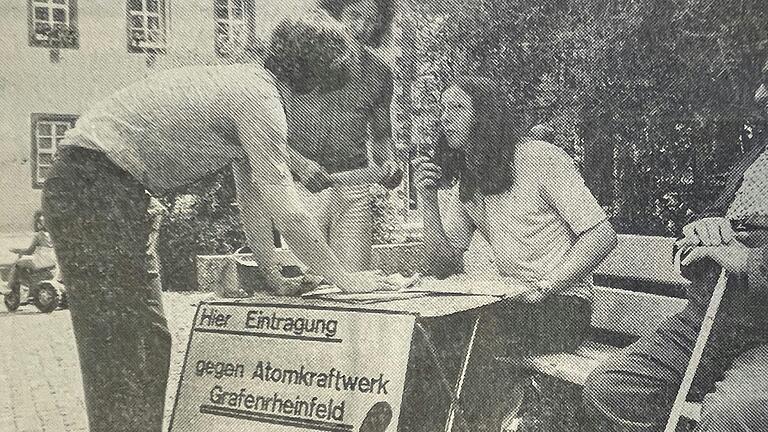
<point x="384" y="215"/>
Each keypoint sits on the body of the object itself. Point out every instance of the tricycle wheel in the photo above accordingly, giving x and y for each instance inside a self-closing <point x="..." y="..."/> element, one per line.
<point x="48" y="297"/>
<point x="12" y="301"/>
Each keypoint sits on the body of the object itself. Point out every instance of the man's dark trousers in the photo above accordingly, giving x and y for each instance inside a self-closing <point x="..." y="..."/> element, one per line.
<point x="636" y="388"/>
<point x="97" y="216"/>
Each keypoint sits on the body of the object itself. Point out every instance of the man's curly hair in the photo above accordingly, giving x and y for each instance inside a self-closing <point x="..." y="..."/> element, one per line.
<point x="386" y="9"/>
<point x="311" y="52"/>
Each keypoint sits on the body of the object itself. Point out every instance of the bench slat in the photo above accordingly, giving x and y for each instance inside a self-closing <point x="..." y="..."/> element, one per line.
<point x="630" y="312"/>
<point x="645" y="258"/>
<point x="575" y="367"/>
<point x="572" y="367"/>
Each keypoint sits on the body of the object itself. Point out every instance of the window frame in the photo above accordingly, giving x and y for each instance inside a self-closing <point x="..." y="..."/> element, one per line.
<point x="71" y="37"/>
<point x="138" y="46"/>
<point x="228" y="48"/>
<point x="35" y="151"/>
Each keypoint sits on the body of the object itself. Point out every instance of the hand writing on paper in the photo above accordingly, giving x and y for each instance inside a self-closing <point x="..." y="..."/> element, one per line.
<point x="311" y="282"/>
<point x="281" y="285"/>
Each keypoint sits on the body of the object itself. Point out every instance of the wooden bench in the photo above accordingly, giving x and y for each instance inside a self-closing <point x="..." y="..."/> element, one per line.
<point x="627" y="315"/>
<point x="619" y="316"/>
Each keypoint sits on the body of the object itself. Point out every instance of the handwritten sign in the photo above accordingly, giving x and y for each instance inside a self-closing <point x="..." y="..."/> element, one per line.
<point x="266" y="367"/>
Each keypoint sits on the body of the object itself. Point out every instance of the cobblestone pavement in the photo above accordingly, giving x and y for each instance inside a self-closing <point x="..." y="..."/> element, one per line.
<point x="40" y="386"/>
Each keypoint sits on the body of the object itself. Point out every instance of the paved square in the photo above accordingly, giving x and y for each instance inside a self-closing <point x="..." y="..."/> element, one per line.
<point x="40" y="385"/>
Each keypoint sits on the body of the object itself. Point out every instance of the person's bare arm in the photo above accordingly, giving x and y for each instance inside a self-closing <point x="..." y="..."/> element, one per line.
<point x="563" y="187"/>
<point x="440" y="257"/>
<point x="382" y="150"/>
<point x="265" y="145"/>
<point x="585" y="255"/>
<point x="381" y="145"/>
<point x="589" y="250"/>
<point x="310" y="173"/>
<point x="29" y="250"/>
<point x="388" y="175"/>
<point x="316" y="178"/>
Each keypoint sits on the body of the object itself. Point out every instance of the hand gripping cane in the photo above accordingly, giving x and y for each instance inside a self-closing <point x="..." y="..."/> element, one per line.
<point x="698" y="349"/>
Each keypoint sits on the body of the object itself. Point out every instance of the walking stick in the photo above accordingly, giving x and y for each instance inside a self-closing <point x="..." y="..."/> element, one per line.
<point x="698" y="349"/>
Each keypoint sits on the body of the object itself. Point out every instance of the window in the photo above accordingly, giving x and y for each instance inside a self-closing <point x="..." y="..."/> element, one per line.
<point x="53" y="23"/>
<point x="47" y="132"/>
<point x="230" y="32"/>
<point x="146" y="25"/>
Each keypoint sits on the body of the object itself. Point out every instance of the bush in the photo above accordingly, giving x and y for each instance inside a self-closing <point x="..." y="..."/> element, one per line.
<point x="200" y="220"/>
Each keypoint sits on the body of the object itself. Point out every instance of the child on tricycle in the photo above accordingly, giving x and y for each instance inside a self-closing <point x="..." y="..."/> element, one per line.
<point x="35" y="268"/>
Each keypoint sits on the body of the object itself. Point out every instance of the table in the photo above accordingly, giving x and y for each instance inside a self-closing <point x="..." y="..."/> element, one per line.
<point x="425" y="308"/>
<point x="429" y="306"/>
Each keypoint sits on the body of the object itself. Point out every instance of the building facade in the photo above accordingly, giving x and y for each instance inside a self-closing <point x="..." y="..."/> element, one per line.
<point x="61" y="56"/>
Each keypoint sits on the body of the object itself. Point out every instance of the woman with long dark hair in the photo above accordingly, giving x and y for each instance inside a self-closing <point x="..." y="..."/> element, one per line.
<point x="545" y="228"/>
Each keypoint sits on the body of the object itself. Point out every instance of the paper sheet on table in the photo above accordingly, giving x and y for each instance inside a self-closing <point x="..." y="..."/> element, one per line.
<point x="374" y="297"/>
<point x="470" y="285"/>
<point x="397" y="280"/>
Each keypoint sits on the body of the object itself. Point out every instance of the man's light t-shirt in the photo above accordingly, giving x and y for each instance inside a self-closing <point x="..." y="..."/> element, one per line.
<point x="175" y="127"/>
<point x="533" y="225"/>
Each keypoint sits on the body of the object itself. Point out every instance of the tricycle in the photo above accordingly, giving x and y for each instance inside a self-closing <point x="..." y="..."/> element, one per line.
<point x="40" y="287"/>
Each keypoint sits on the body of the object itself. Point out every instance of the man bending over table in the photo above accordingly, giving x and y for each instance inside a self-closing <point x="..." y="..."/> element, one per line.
<point x="166" y="131"/>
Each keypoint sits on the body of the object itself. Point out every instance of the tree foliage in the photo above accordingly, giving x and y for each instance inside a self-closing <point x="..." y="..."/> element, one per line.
<point x="654" y="97"/>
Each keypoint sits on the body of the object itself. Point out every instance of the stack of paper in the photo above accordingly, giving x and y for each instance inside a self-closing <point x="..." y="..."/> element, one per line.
<point x="418" y="286"/>
<point x="373" y="297"/>
<point x="397" y="282"/>
<point x="471" y="285"/>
